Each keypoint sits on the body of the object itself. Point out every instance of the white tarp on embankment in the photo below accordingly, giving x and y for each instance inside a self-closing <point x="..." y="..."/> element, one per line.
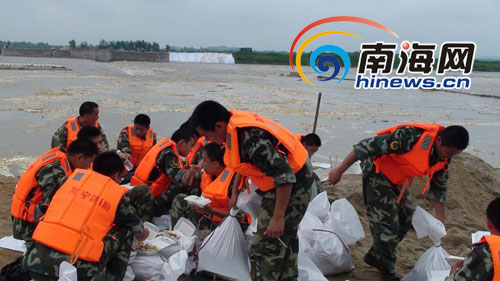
<point x="202" y="57"/>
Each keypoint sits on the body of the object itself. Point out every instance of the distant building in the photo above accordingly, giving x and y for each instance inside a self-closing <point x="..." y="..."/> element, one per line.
<point x="249" y="50"/>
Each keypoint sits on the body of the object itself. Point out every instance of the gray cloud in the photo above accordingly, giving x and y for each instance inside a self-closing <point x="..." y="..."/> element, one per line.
<point x="261" y="24"/>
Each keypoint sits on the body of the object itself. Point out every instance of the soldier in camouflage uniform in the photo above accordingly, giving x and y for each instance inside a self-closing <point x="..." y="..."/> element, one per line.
<point x="278" y="218"/>
<point x="89" y="114"/>
<point x="390" y="221"/>
<point x="141" y="125"/>
<point x="213" y="164"/>
<point x="43" y="262"/>
<point x="49" y="178"/>
<point x="478" y="264"/>
<point x="182" y="179"/>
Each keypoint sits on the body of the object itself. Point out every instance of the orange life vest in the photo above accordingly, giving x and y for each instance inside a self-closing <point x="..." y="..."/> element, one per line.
<point x="297" y="154"/>
<point x="73" y="128"/>
<point x="80" y="215"/>
<point x="217" y="190"/>
<point x="23" y="209"/>
<point x="147" y="165"/>
<point x="199" y="144"/>
<point x="494" y="243"/>
<point x="401" y="168"/>
<point x="138" y="146"/>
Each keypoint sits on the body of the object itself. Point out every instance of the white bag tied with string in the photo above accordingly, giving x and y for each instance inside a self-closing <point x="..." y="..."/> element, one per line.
<point x="434" y="259"/>
<point x="67" y="272"/>
<point x="225" y="251"/>
<point x="326" y="241"/>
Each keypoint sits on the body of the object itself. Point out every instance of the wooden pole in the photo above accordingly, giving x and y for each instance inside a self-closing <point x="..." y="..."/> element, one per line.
<point x="317" y="113"/>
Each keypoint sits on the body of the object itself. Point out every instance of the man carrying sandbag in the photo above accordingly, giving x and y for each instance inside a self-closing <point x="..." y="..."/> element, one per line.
<point x="389" y="162"/>
<point x="483" y="263"/>
<point x="277" y="163"/>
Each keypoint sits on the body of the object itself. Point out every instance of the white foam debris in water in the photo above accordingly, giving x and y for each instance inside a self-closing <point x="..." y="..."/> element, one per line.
<point x="15" y="166"/>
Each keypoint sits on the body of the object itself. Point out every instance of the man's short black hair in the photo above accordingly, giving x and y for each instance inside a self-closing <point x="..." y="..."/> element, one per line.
<point x="108" y="163"/>
<point x="493" y="212"/>
<point x="182" y="134"/>
<point x="454" y="136"/>
<point x="215" y="152"/>
<point x="89" y="132"/>
<point x="83" y="146"/>
<point x="142" y="120"/>
<point x="207" y="113"/>
<point x="188" y="125"/>
<point x="311" y="139"/>
<point x="87" y="107"/>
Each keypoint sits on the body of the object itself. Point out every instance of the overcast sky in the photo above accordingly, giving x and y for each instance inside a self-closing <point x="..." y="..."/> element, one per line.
<point x="261" y="24"/>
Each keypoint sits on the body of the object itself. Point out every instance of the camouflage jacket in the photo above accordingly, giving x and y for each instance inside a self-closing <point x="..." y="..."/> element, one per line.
<point x="477" y="266"/>
<point x="43" y="260"/>
<point x="405" y="138"/>
<point x="123" y="143"/>
<point x="61" y="137"/>
<point x="49" y="178"/>
<point x="259" y="148"/>
<point x="168" y="163"/>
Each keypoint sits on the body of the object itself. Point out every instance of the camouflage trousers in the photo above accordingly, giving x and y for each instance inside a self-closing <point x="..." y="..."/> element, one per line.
<point x="163" y="202"/>
<point x="270" y="259"/>
<point x="22" y="230"/>
<point x="389" y="221"/>
<point x="43" y="262"/>
<point x="141" y="199"/>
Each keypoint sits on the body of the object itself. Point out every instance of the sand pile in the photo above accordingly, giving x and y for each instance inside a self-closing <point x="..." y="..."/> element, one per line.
<point x="473" y="183"/>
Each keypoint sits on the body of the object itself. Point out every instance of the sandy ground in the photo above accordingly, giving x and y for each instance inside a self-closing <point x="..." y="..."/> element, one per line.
<point x="473" y="183"/>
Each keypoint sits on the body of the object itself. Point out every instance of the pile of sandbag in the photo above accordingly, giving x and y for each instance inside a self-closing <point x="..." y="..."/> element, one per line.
<point x="432" y="265"/>
<point x="325" y="233"/>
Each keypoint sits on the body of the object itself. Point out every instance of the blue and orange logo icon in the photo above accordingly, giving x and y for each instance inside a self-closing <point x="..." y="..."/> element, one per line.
<point x="326" y="52"/>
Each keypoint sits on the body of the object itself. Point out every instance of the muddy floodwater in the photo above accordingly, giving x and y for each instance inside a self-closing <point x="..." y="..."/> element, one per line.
<point x="34" y="103"/>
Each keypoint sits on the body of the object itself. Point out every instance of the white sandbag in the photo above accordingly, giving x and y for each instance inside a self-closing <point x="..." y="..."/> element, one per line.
<point x="427" y="225"/>
<point x="225" y="252"/>
<point x="175" y="266"/>
<point x="129" y="274"/>
<point x="344" y="221"/>
<point x="249" y="202"/>
<point x="434" y="259"/>
<point x="307" y="237"/>
<point x="438" y="275"/>
<point x="67" y="272"/>
<point x="330" y="254"/>
<point x="147" y="267"/>
<point x="319" y="206"/>
<point x="308" y="271"/>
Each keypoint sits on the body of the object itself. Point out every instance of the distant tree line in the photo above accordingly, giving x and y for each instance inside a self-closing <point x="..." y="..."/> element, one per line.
<point x="26" y="45"/>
